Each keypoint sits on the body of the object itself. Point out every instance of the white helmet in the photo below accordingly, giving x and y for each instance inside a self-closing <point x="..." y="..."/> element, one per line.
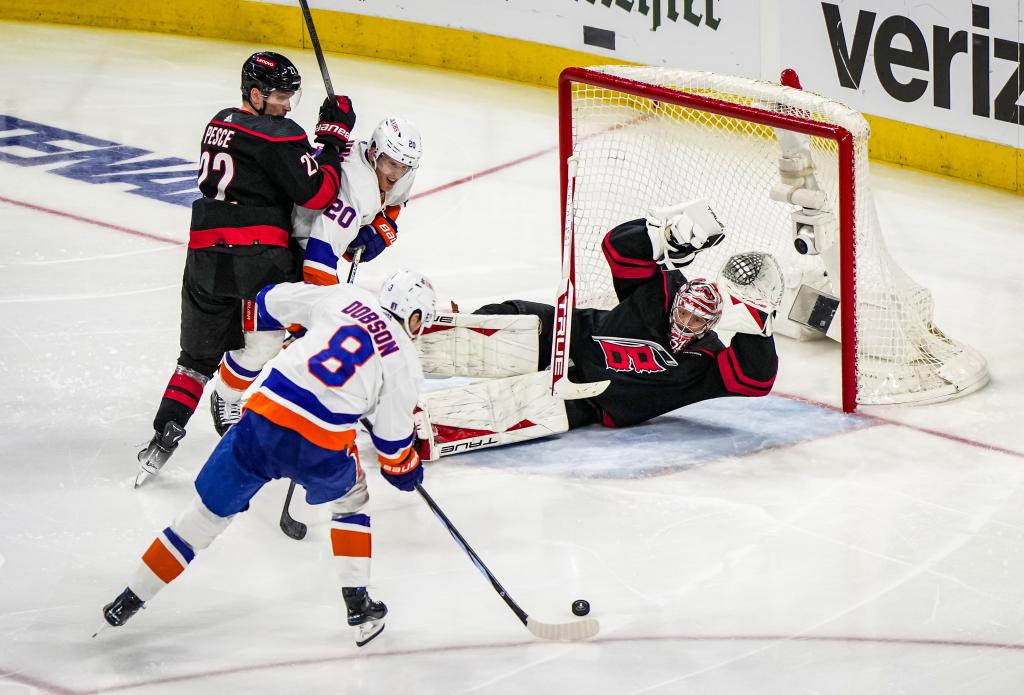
<point x="405" y="293"/>
<point x="399" y="139"/>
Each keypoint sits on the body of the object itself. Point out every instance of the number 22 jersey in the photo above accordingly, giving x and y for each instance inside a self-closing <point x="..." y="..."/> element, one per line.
<point x="252" y="170"/>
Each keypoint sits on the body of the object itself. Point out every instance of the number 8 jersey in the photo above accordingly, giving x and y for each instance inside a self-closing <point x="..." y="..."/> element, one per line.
<point x="252" y="169"/>
<point x="354" y="360"/>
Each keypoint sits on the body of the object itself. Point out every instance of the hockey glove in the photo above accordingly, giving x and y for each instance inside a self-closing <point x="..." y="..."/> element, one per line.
<point x="405" y="472"/>
<point x="337" y="119"/>
<point x="374" y="237"/>
<point x="678" y="233"/>
<point x="753" y="285"/>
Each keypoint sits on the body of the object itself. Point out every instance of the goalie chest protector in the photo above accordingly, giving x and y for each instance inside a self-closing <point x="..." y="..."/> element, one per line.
<point x="629" y="346"/>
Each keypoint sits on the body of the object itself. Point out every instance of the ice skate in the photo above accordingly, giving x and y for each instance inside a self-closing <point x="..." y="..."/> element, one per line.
<point x="159" y="449"/>
<point x="120" y="610"/>
<point x="365" y="614"/>
<point x="225" y="413"/>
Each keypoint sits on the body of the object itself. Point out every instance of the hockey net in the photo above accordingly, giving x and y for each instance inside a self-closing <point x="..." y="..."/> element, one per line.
<point x="636" y="138"/>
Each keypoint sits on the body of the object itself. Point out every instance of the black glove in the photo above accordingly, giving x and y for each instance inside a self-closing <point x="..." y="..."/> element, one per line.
<point x="337" y="119"/>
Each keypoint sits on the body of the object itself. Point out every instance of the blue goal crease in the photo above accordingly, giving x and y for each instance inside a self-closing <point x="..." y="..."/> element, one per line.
<point x="691" y="436"/>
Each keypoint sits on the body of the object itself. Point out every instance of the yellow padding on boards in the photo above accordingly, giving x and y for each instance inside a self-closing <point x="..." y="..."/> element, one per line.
<point x="481" y="54"/>
<point x="945" y="153"/>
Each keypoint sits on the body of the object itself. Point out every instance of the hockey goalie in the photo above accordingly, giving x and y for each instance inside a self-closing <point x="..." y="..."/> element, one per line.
<point x="657" y="348"/>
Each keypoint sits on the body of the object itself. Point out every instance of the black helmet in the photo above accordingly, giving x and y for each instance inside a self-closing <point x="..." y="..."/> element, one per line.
<point x="269" y="72"/>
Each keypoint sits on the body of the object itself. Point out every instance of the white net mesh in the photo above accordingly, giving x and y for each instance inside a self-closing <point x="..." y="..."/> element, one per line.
<point x="635" y="153"/>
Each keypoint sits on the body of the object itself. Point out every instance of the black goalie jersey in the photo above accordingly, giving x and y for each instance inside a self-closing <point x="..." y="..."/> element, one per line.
<point x="251" y="171"/>
<point x="629" y="344"/>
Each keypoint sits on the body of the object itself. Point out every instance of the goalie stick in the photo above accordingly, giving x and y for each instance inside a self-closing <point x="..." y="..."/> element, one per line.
<point x="560" y="384"/>
<point x="568" y="632"/>
<point x="292" y="527"/>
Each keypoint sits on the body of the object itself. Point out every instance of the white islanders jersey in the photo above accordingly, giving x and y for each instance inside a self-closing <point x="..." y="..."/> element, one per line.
<point x="354" y="360"/>
<point x="359" y="202"/>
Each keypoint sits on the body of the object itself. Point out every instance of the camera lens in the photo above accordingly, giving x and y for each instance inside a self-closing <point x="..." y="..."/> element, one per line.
<point x="800" y="245"/>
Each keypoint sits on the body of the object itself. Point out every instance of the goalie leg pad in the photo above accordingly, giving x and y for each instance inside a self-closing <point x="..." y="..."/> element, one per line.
<point x="488" y="413"/>
<point x="478" y="345"/>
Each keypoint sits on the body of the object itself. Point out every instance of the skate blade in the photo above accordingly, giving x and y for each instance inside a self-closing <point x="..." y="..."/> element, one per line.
<point x="367" y="631"/>
<point x="142" y="477"/>
<point x="101" y="628"/>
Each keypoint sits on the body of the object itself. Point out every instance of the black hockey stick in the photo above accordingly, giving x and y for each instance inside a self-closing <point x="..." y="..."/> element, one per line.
<point x="292" y="527"/>
<point x="316" y="47"/>
<point x="578" y="630"/>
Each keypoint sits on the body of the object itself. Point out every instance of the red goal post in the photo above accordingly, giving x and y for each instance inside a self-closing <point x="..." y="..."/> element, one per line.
<point x="633" y="138"/>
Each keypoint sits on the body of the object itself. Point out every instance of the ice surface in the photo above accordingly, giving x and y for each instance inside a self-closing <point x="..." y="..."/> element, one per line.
<point x="743" y="546"/>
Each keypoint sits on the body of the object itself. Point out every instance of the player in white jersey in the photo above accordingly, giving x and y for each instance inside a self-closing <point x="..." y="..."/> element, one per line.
<point x="356" y="360"/>
<point x="376" y="181"/>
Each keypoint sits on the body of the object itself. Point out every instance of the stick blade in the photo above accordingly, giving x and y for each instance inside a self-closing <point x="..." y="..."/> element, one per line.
<point x="292" y="528"/>
<point x="564" y="632"/>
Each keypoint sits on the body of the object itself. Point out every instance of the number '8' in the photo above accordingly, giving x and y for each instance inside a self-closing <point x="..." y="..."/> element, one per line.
<point x="349" y="347"/>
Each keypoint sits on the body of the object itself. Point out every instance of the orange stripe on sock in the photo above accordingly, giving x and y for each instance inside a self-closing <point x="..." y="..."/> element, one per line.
<point x="232" y="380"/>
<point x="164" y="565"/>
<point x="279" y="415"/>
<point x="350" y="543"/>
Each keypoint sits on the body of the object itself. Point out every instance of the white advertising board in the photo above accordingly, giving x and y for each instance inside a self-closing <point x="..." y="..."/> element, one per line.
<point x="950" y="65"/>
<point x="717" y="35"/>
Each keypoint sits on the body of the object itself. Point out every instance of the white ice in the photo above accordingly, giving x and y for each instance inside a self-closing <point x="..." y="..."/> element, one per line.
<point x="768" y="546"/>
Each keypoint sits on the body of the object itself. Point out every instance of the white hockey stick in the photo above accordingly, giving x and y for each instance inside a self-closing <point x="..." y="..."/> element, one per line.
<point x="561" y="387"/>
<point x="566" y="632"/>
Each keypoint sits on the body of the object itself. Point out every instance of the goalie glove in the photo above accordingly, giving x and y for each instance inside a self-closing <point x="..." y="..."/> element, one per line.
<point x="679" y="232"/>
<point x="753" y="285"/>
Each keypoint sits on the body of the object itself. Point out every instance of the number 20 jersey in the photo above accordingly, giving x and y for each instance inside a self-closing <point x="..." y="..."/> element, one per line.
<point x="354" y="360"/>
<point x="359" y="201"/>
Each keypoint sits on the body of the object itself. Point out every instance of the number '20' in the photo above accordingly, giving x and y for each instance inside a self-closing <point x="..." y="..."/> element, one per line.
<point x="341" y="213"/>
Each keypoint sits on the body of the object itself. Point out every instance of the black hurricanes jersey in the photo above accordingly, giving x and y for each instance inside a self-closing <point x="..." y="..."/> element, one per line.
<point x="252" y="170"/>
<point x="629" y="344"/>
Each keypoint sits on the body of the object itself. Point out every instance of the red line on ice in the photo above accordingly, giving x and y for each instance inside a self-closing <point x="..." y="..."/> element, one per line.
<point x="89" y="220"/>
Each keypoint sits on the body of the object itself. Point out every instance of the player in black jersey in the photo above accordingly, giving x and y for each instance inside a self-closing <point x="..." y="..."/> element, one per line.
<point x="255" y="165"/>
<point x="656" y="348"/>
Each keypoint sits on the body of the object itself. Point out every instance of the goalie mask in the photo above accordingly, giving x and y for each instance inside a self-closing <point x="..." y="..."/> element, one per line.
<point x="696" y="310"/>
<point x="405" y="293"/>
<point x="399" y="139"/>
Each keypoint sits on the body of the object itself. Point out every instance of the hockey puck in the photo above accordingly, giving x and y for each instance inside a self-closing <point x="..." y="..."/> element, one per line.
<point x="580" y="607"/>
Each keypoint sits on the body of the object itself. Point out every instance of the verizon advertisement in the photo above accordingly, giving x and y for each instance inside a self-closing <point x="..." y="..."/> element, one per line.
<point x="951" y="65"/>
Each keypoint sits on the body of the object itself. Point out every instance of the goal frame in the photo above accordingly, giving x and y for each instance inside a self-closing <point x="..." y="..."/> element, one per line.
<point x="846" y="217"/>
